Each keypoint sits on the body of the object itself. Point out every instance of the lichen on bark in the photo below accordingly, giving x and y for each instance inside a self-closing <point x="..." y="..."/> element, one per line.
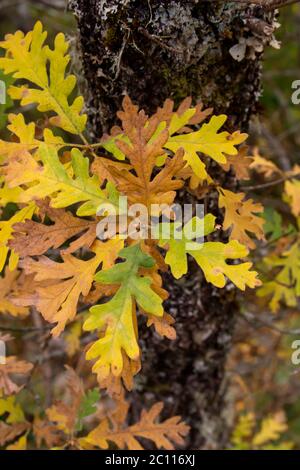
<point x="152" y="50"/>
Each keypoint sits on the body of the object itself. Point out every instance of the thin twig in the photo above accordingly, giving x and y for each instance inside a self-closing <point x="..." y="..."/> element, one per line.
<point x="255" y="322"/>
<point x="39" y="328"/>
<point x="158" y="40"/>
<point x="271" y="183"/>
<point x="25" y="329"/>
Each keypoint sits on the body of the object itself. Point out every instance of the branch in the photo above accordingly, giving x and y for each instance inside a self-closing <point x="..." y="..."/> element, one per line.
<point x="255" y="322"/>
<point x="271" y="183"/>
<point x="30" y="329"/>
<point x="25" y="329"/>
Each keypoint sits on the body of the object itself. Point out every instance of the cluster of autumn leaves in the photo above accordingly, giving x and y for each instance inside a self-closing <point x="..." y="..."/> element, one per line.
<point x="53" y="263"/>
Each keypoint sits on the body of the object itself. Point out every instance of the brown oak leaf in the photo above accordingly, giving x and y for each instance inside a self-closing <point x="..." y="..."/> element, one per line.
<point x="113" y="429"/>
<point x="31" y="238"/>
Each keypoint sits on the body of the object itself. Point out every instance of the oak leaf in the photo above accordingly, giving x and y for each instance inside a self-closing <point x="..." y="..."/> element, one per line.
<point x="24" y="138"/>
<point x="240" y="217"/>
<point x="28" y="59"/>
<point x="117" y="317"/>
<point x="264" y="166"/>
<point x="243" y="431"/>
<point x="285" y="285"/>
<point x="162" y="434"/>
<point x="210" y="256"/>
<point x="163" y="325"/>
<point x="208" y="141"/>
<point x="31" y="238"/>
<point x="240" y="163"/>
<point x="271" y="429"/>
<point x="12" y="410"/>
<point x="6" y="230"/>
<point x="65" y="184"/>
<point x="174" y="127"/>
<point x="143" y="146"/>
<point x="64" y="282"/>
<point x="114" y="385"/>
<point x="185" y="116"/>
<point x="45" y="432"/>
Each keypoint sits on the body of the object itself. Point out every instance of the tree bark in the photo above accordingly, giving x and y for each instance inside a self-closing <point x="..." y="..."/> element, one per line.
<point x="152" y="50"/>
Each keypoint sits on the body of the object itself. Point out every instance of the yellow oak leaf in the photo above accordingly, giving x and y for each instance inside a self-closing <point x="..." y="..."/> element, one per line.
<point x="28" y="59"/>
<point x="15" y="413"/>
<point x="271" y="429"/>
<point x="212" y="260"/>
<point x="176" y="239"/>
<point x="243" y="431"/>
<point x="285" y="285"/>
<point x="210" y="256"/>
<point x="208" y="141"/>
<point x="6" y="230"/>
<point x="245" y="437"/>
<point x="278" y="293"/>
<point x="26" y="140"/>
<point x="8" y="194"/>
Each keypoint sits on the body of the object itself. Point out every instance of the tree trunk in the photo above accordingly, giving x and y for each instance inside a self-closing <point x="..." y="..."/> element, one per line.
<point x="152" y="50"/>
